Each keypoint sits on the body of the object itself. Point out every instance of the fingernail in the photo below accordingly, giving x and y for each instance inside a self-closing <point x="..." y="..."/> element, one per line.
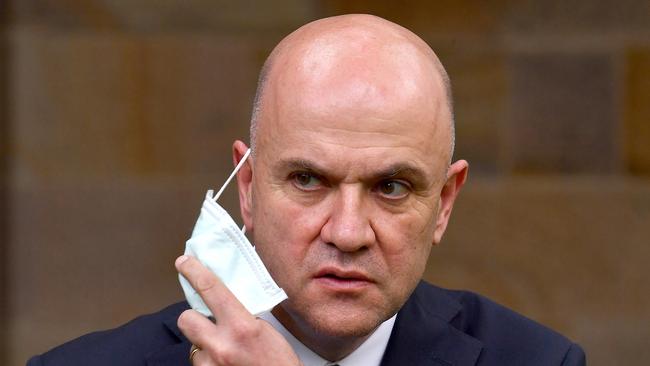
<point x="181" y="259"/>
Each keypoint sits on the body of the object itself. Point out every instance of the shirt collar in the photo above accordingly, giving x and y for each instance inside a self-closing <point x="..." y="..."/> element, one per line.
<point x="368" y="353"/>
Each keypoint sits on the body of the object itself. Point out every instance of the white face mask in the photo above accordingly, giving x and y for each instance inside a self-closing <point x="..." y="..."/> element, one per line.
<point x="218" y="243"/>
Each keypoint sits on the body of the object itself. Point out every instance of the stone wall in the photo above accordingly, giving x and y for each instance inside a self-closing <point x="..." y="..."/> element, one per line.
<point x="119" y="114"/>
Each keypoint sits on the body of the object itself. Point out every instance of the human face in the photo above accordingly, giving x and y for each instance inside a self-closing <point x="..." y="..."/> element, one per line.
<point x="343" y="206"/>
<point x="348" y="187"/>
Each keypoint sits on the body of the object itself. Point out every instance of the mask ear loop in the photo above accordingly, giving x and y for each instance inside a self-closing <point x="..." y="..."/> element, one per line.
<point x="232" y="175"/>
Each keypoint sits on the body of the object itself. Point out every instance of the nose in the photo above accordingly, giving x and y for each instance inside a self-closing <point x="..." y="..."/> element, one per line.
<point x="348" y="226"/>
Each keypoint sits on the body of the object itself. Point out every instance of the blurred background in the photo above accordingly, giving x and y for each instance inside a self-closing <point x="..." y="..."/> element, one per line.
<point x="116" y="116"/>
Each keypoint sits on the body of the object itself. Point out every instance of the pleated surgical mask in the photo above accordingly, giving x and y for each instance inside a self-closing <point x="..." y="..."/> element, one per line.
<point x="222" y="247"/>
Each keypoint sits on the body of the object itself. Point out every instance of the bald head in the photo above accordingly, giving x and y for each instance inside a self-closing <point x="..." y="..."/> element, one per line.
<point x="352" y="137"/>
<point x="362" y="60"/>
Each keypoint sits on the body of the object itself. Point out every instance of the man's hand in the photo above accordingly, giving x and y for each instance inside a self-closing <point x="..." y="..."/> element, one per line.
<point x="237" y="338"/>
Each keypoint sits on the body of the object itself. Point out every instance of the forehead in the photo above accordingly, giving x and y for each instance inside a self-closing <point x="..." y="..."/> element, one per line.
<point x="353" y="138"/>
<point x="348" y="96"/>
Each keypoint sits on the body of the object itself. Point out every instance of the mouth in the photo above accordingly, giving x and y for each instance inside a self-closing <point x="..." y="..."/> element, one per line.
<point x="342" y="280"/>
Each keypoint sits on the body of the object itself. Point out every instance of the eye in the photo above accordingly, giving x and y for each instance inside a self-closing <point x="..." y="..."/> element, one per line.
<point x="306" y="181"/>
<point x="393" y="189"/>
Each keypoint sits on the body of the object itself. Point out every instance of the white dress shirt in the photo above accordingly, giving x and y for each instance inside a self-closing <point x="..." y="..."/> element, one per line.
<point x="369" y="353"/>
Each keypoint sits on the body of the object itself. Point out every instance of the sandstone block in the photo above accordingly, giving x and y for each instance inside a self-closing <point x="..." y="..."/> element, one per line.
<point x="435" y="17"/>
<point x="541" y="16"/>
<point x="92" y="107"/>
<point x="562" y="115"/>
<point x="153" y="15"/>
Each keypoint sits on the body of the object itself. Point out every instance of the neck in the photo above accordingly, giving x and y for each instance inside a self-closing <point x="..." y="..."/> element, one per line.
<point x="329" y="347"/>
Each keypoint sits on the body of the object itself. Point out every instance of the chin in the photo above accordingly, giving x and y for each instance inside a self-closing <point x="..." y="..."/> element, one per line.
<point x="344" y="321"/>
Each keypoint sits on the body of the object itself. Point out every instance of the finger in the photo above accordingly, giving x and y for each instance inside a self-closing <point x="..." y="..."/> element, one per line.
<point x="202" y="333"/>
<point x="198" y="329"/>
<point x="223" y="304"/>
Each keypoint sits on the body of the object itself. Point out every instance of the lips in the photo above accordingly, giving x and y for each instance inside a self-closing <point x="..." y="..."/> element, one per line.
<point x="339" y="279"/>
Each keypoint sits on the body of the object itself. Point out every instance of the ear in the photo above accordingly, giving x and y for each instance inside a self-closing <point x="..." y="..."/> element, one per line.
<point x="244" y="183"/>
<point x="456" y="176"/>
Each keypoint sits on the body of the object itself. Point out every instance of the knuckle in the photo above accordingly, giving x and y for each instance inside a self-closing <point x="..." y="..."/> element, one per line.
<point x="204" y="283"/>
<point x="224" y="355"/>
<point x="245" y="330"/>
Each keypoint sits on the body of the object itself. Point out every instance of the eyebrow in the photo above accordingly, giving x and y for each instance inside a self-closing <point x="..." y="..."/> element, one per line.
<point x="402" y="169"/>
<point x="300" y="164"/>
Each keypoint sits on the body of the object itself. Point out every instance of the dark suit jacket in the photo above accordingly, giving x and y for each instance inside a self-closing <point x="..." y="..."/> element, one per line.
<point x="435" y="327"/>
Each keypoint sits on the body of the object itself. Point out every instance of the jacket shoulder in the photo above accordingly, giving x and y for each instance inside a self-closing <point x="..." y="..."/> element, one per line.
<point x="508" y="337"/>
<point x="128" y="344"/>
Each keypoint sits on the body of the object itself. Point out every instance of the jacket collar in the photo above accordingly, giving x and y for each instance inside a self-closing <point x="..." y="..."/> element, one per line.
<point x="423" y="335"/>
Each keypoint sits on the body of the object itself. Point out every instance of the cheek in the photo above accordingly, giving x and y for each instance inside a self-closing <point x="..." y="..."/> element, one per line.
<point x="284" y="230"/>
<point x="403" y="232"/>
<point x="405" y="241"/>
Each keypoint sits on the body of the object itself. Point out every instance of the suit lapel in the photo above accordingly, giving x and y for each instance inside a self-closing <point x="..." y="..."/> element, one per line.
<point x="176" y="354"/>
<point x="422" y="334"/>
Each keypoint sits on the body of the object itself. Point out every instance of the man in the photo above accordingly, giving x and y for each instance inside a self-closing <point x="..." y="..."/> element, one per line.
<point x="349" y="186"/>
